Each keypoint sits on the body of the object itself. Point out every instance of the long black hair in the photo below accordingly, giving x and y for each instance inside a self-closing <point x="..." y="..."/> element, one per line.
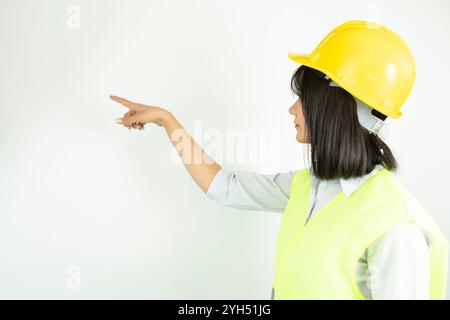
<point x="340" y="146"/>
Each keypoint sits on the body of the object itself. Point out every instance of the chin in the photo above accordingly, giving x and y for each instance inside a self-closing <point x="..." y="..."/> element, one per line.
<point x="301" y="139"/>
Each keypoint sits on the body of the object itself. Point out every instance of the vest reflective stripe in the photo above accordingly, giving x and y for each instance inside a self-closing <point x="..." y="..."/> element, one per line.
<point x="317" y="260"/>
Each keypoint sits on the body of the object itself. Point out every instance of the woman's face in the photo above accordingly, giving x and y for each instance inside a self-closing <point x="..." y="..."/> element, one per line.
<point x="297" y="110"/>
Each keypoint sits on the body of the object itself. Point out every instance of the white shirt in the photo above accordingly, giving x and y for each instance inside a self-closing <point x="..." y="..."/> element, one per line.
<point x="395" y="266"/>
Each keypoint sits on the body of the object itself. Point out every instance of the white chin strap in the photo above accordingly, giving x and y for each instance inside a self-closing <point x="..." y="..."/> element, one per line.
<point x="365" y="116"/>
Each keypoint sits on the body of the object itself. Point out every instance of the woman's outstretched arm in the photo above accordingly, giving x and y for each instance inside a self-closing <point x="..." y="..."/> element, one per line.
<point x="198" y="163"/>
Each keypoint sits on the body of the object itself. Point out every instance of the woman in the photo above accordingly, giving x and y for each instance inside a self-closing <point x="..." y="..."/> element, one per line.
<point x="349" y="230"/>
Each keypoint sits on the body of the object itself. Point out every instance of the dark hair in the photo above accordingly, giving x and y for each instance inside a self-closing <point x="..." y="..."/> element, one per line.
<point x="340" y="146"/>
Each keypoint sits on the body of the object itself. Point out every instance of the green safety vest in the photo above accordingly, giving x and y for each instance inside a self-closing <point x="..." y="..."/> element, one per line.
<point x="317" y="260"/>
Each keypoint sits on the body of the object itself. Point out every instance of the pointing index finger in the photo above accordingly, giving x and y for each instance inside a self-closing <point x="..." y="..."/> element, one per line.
<point x="122" y="101"/>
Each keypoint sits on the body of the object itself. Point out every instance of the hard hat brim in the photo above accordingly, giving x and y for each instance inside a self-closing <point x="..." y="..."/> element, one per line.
<point x="300" y="58"/>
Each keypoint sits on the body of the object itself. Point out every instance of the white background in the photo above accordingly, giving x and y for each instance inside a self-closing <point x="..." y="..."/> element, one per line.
<point x="84" y="199"/>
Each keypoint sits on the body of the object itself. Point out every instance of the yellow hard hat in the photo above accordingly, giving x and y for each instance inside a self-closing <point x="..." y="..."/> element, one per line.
<point x="369" y="61"/>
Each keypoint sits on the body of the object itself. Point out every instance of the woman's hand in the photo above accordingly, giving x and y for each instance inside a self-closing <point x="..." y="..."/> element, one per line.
<point x="198" y="163"/>
<point x="139" y="114"/>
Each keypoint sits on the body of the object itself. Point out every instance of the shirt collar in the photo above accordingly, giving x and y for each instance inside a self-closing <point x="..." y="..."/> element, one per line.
<point x="352" y="184"/>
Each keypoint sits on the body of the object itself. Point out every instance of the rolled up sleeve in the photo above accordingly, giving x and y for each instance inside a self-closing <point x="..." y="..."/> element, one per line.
<point x="250" y="190"/>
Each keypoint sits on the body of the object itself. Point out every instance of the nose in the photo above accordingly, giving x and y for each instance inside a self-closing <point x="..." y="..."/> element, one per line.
<point x="292" y="109"/>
